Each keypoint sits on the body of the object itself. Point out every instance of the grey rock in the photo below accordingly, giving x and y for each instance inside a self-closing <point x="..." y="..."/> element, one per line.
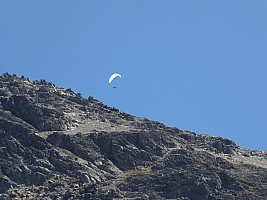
<point x="54" y="144"/>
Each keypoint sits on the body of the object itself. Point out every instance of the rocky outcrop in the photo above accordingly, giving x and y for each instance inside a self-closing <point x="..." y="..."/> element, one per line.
<point x="54" y="144"/>
<point x="39" y="116"/>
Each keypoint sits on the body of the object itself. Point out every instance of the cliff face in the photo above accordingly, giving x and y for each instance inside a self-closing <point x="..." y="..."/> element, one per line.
<point x="55" y="144"/>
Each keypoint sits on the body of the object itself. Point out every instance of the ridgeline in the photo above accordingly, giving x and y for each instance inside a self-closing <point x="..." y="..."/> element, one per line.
<point x="54" y="144"/>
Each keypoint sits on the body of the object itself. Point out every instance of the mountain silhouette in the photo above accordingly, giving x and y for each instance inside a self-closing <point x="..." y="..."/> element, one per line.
<point x="55" y="144"/>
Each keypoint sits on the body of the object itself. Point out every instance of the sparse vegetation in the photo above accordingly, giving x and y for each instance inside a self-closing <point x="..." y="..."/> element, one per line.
<point x="54" y="143"/>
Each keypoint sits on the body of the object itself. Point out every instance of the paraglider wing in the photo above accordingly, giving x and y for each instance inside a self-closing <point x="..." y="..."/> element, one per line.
<point x="111" y="78"/>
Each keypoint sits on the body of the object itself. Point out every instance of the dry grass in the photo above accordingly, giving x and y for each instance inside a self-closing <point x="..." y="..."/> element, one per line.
<point x="137" y="172"/>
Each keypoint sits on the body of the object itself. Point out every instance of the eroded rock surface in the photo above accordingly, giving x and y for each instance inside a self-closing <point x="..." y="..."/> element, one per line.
<point x="54" y="144"/>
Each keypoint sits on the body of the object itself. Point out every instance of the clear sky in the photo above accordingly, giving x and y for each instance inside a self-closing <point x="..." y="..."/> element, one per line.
<point x="196" y="65"/>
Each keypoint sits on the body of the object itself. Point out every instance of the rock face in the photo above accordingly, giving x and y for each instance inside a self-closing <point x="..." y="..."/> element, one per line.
<point x="54" y="144"/>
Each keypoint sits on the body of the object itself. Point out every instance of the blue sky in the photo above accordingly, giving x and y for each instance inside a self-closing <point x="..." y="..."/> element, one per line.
<point x="196" y="65"/>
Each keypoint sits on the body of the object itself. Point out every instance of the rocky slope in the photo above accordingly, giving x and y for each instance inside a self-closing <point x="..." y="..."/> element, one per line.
<point x="54" y="144"/>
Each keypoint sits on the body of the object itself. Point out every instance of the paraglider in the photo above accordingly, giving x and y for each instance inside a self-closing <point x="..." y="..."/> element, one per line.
<point x="113" y="76"/>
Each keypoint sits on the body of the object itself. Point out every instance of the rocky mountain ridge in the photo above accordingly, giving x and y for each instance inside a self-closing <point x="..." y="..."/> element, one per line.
<point x="55" y="144"/>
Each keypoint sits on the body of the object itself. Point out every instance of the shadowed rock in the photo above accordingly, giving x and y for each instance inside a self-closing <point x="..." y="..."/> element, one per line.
<point x="54" y="144"/>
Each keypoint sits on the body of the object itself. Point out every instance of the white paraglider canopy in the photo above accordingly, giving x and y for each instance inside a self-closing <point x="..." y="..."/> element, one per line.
<point x="113" y="76"/>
